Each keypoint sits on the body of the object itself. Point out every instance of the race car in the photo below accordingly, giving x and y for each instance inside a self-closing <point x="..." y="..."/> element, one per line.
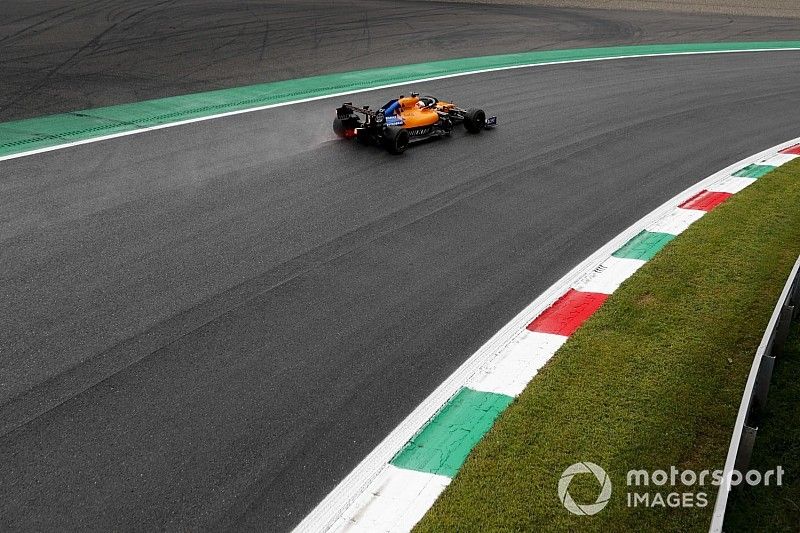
<point x="405" y="120"/>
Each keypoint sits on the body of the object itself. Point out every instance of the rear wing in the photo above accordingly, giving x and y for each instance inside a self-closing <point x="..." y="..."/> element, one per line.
<point x="348" y="109"/>
<point x="372" y="118"/>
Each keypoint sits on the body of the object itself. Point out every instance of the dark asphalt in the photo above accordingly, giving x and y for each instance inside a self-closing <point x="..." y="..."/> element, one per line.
<point x="63" y="55"/>
<point x="208" y="326"/>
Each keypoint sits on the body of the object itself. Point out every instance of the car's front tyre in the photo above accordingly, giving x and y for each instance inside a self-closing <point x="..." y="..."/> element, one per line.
<point x="474" y="120"/>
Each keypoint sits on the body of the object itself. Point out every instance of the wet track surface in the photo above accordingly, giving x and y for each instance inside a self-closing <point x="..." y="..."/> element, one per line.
<point x="208" y="326"/>
<point x="62" y="55"/>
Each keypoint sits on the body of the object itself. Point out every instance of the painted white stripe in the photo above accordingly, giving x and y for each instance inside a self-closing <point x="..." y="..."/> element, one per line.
<point x="510" y="371"/>
<point x="778" y="160"/>
<point x="344" y="499"/>
<point x="676" y="221"/>
<point x="387" y="86"/>
<point x="732" y="184"/>
<point x="608" y="276"/>
<point x="394" y="502"/>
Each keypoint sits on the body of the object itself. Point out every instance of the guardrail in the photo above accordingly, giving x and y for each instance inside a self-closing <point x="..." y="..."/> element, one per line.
<point x="755" y="392"/>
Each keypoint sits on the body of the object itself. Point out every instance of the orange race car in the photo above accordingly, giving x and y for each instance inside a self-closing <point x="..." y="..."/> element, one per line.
<point x="405" y="120"/>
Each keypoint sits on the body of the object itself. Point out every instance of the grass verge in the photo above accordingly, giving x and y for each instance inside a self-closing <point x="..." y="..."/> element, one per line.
<point x="778" y="443"/>
<point x="653" y="379"/>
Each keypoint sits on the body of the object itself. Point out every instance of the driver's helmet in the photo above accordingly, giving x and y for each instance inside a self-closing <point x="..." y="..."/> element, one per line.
<point x="427" y="101"/>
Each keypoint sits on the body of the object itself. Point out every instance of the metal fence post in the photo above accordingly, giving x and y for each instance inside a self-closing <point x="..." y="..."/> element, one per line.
<point x="762" y="383"/>
<point x="794" y="297"/>
<point x="745" y="450"/>
<point x="782" y="330"/>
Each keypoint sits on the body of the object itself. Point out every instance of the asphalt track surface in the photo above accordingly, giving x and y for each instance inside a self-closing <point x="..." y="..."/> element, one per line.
<point x="65" y="55"/>
<point x="208" y="326"/>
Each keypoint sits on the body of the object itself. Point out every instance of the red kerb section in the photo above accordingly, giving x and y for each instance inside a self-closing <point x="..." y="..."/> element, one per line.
<point x="795" y="150"/>
<point x="568" y="313"/>
<point x="705" y="200"/>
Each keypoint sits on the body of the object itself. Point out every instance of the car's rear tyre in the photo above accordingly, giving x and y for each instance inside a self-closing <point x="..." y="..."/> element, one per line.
<point x="342" y="125"/>
<point x="396" y="140"/>
<point x="338" y="127"/>
<point x="474" y="120"/>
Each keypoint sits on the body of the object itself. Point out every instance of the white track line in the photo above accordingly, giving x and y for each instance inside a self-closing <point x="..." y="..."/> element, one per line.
<point x="357" y="91"/>
<point x="340" y="509"/>
<point x="510" y="371"/>
<point x="397" y="499"/>
<point x="607" y="277"/>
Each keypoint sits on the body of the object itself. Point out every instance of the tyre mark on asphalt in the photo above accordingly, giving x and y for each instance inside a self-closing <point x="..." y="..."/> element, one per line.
<point x="161" y="49"/>
<point x="30" y="27"/>
<point x="93" y="43"/>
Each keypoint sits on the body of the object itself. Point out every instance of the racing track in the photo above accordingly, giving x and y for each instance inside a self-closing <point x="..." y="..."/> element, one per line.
<point x="208" y="326"/>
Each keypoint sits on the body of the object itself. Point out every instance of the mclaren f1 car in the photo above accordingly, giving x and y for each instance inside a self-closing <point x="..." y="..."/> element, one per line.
<point x="406" y="120"/>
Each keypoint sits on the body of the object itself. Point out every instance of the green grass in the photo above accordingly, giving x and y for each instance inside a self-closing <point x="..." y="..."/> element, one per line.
<point x="777" y="443"/>
<point x="653" y="379"/>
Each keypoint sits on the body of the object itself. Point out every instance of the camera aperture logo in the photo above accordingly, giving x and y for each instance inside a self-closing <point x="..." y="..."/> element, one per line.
<point x="673" y="487"/>
<point x="589" y="509"/>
